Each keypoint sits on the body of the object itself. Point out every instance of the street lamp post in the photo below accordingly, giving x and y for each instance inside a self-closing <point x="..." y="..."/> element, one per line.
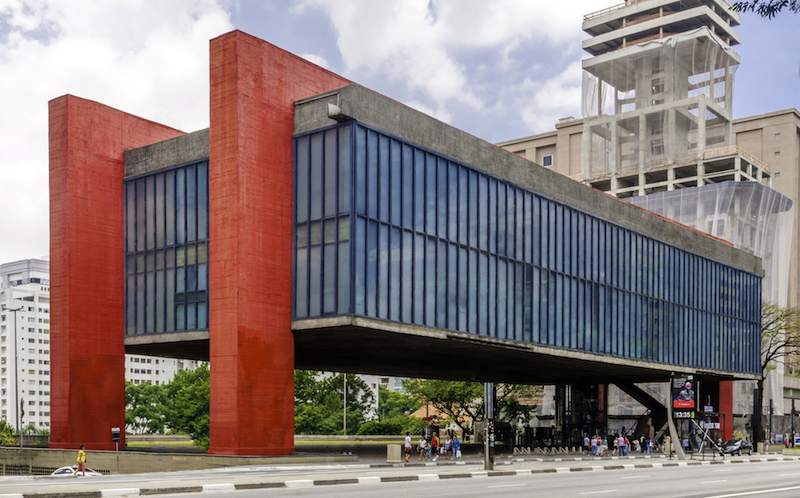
<point x="16" y="376"/>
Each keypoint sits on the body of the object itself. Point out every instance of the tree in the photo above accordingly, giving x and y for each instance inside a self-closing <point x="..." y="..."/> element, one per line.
<point x="767" y="8"/>
<point x="460" y="400"/>
<point x="780" y="338"/>
<point x="144" y="405"/>
<point x="187" y="404"/>
<point x="393" y="404"/>
<point x="318" y="403"/>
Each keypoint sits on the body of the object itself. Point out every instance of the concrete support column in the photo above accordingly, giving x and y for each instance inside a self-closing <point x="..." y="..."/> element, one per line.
<point x="253" y="88"/>
<point x="737" y="168"/>
<point x="87" y="267"/>
<point x="701" y="127"/>
<point x="614" y="147"/>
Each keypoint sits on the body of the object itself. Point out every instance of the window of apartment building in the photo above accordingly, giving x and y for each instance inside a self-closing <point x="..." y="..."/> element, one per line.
<point x="777" y="136"/>
<point x="31" y="319"/>
<point x="32" y="414"/>
<point x="31" y="362"/>
<point x="31" y="329"/>
<point x="31" y="403"/>
<point x="777" y="154"/>
<point x="32" y="350"/>
<point x="657" y="86"/>
<point x="547" y="161"/>
<point x="30" y="308"/>
<point x="32" y="382"/>
<point x="32" y="341"/>
<point x="149" y="360"/>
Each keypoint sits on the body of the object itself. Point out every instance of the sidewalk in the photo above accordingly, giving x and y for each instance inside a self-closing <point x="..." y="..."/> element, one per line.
<point x="293" y="476"/>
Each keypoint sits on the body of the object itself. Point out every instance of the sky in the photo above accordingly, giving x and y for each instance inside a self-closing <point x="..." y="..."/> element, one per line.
<point x="498" y="70"/>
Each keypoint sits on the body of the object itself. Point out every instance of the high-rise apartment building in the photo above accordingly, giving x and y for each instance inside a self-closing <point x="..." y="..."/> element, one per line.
<point x="25" y="347"/>
<point x="25" y="343"/>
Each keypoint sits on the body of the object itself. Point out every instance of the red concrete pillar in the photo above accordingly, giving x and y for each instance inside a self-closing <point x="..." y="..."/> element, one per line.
<point x="253" y="88"/>
<point x="87" y="251"/>
<point x="726" y="408"/>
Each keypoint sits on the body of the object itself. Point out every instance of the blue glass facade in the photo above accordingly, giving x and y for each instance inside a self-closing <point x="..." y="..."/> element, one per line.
<point x="166" y="250"/>
<point x="387" y="230"/>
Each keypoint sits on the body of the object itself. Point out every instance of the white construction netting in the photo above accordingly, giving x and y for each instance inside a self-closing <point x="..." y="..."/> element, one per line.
<point x="656" y="103"/>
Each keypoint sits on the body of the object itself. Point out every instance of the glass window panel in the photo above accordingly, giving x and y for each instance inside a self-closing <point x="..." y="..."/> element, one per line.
<point x="483" y="293"/>
<point x="492" y="300"/>
<point x="536" y="234"/>
<point x="360" y="276"/>
<point x="419" y="191"/>
<point x="502" y="297"/>
<point x="383" y="178"/>
<point x="519" y="217"/>
<point x="140" y="216"/>
<point x="315" y="177"/>
<point x="150" y="301"/>
<point x="170" y="207"/>
<point x="315" y="281"/>
<point x="483" y="212"/>
<point x="130" y="305"/>
<point x="441" y="198"/>
<point x="383" y="271"/>
<point x="502" y="219"/>
<point x="408" y="186"/>
<point x="344" y="276"/>
<point x="130" y="217"/>
<point x="170" y="304"/>
<point x="430" y="194"/>
<point x="452" y="287"/>
<point x="419" y="279"/>
<point x="202" y="316"/>
<point x="303" y="187"/>
<point x="330" y="173"/>
<point x="406" y="273"/>
<point x="430" y="282"/>
<point x="361" y="192"/>
<point x="159" y="214"/>
<point x="372" y="269"/>
<point x="191" y="203"/>
<point x="395" y="276"/>
<point x="528" y="228"/>
<point x="492" y="219"/>
<point x="150" y="218"/>
<point x="472" y="301"/>
<point x="452" y="202"/>
<point x="396" y="186"/>
<point x="463" y="203"/>
<point x="160" y="301"/>
<point x="191" y="316"/>
<point x="463" y="277"/>
<point x="344" y="228"/>
<point x="180" y="317"/>
<point x="202" y="201"/>
<point x="474" y="201"/>
<point x="345" y="161"/>
<point x="537" y="305"/>
<point x="180" y="205"/>
<point x="329" y="278"/>
<point x="372" y="175"/>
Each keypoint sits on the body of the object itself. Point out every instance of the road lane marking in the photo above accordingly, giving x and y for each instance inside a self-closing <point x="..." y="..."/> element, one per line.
<point x="598" y="492"/>
<point x="428" y="477"/>
<point x="479" y="474"/>
<point x="300" y="483"/>
<point x="563" y="469"/>
<point x="218" y="488"/>
<point x="507" y="485"/>
<point x="119" y="492"/>
<point x="714" y="482"/>
<point x="794" y="474"/>
<point x="523" y="471"/>
<point x="760" y="492"/>
<point x="369" y="480"/>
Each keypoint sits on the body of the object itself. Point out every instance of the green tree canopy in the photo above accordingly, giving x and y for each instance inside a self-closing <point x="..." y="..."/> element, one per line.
<point x="767" y="8"/>
<point x="187" y="403"/>
<point x="318" y="403"/>
<point x="393" y="404"/>
<point x="460" y="400"/>
<point x="144" y="406"/>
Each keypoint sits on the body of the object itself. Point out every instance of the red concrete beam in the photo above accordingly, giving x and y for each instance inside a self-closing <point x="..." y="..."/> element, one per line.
<point x="87" y="267"/>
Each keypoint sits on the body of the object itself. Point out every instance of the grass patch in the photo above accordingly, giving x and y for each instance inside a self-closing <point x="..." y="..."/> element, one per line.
<point x="158" y="443"/>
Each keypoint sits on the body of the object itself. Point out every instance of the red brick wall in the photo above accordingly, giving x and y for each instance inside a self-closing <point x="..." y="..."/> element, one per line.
<point x="87" y="143"/>
<point x="253" y="87"/>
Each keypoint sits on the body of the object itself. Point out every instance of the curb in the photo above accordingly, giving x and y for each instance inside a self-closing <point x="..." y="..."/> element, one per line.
<point x="306" y="483"/>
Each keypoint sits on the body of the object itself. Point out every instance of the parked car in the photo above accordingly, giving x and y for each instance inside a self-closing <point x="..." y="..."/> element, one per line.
<point x="70" y="471"/>
<point x="737" y="447"/>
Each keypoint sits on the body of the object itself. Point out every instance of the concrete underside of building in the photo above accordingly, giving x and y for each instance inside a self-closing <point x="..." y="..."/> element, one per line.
<point x="262" y="97"/>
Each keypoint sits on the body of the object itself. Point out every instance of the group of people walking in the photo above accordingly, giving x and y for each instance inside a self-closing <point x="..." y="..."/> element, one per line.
<point x="620" y="444"/>
<point x="432" y="449"/>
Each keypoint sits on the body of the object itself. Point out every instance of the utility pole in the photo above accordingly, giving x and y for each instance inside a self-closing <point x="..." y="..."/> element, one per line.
<point x="16" y="375"/>
<point x="344" y="403"/>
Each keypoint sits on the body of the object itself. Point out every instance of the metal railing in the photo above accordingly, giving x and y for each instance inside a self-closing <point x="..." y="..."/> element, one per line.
<point x="608" y="10"/>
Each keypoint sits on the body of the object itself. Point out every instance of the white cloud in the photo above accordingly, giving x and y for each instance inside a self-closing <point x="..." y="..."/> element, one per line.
<point x="544" y="103"/>
<point x="440" y="113"/>
<point x="146" y="58"/>
<point x="316" y="59"/>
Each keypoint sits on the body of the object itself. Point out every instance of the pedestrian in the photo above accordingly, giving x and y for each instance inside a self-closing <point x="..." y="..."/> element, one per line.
<point x="627" y="444"/>
<point x="447" y="444"/>
<point x="456" y="448"/>
<point x="615" y="441"/>
<point x="766" y="445"/>
<point x="650" y="445"/>
<point x="422" y="447"/>
<point x="595" y="445"/>
<point x="435" y="446"/>
<point x="408" y="445"/>
<point x="586" y="444"/>
<point x="686" y="445"/>
<point x="604" y="447"/>
<point x="642" y="443"/>
<point x="621" y="445"/>
<point x="81" y="462"/>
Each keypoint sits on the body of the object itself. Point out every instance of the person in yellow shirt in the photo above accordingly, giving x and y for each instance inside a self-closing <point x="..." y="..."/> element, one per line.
<point x="81" y="462"/>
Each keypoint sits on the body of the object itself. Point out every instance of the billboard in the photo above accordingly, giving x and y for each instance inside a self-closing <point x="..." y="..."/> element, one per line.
<point x="683" y="393"/>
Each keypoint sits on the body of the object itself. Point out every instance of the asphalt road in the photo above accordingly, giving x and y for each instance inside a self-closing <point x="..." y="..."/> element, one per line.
<point x="769" y="479"/>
